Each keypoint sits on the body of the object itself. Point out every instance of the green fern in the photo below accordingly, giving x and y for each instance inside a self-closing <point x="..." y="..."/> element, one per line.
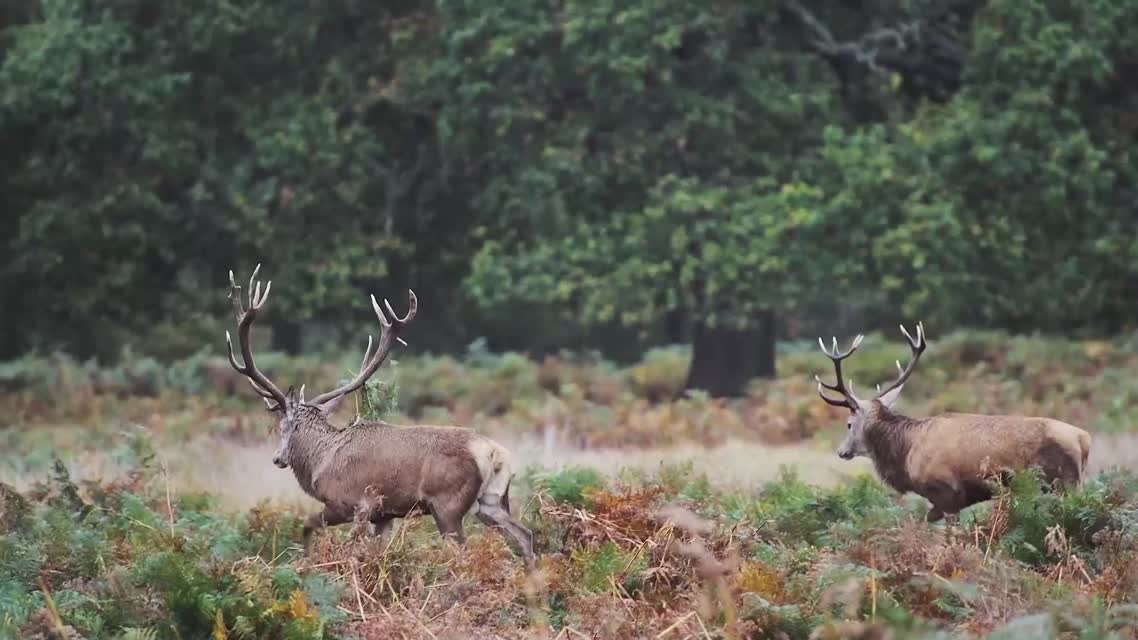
<point x="379" y="399"/>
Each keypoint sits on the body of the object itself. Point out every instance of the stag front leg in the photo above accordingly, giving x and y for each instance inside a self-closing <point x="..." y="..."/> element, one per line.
<point x="382" y="525"/>
<point x="450" y="525"/>
<point x="329" y="517"/>
<point x="947" y="502"/>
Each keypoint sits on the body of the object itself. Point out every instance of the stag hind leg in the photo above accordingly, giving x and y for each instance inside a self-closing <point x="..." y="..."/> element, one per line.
<point x="1059" y="466"/>
<point x="492" y="513"/>
<point x="449" y="510"/>
<point x="450" y="526"/>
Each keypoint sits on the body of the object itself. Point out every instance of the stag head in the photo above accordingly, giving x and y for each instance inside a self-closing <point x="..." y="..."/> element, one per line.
<point x="295" y="413"/>
<point x="863" y="412"/>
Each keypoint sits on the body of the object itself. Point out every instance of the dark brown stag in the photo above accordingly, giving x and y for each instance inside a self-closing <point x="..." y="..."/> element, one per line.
<point x="387" y="471"/>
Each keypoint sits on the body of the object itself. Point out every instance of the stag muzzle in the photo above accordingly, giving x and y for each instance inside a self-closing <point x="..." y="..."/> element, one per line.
<point x="845" y="455"/>
<point x="281" y="464"/>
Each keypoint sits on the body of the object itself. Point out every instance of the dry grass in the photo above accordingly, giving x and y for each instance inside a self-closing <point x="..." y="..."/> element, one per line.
<point x="242" y="475"/>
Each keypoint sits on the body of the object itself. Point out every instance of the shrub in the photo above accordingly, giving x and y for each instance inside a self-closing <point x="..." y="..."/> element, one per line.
<point x="1034" y="515"/>
<point x="661" y="374"/>
<point x="569" y="486"/>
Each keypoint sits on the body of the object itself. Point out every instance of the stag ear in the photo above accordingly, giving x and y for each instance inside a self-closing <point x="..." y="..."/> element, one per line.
<point x="889" y="398"/>
<point x="291" y="395"/>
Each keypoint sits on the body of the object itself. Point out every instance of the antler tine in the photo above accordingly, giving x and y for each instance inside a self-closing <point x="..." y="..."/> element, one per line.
<point x="367" y="353"/>
<point x="235" y="295"/>
<point x="383" y="317"/>
<point x="372" y="360"/>
<point x="920" y="335"/>
<point x="262" y="297"/>
<point x="412" y="308"/>
<point x="256" y="387"/>
<point x="253" y="277"/>
<point x="270" y="402"/>
<point x="828" y="399"/>
<point x="379" y="312"/>
<point x="849" y="400"/>
<point x="917" y="347"/>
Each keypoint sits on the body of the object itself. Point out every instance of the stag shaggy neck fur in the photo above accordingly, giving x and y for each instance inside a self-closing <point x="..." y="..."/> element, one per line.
<point x="889" y="439"/>
<point x="313" y="440"/>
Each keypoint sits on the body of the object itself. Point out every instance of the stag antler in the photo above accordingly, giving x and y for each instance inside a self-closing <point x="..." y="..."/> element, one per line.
<point x="849" y="400"/>
<point x="917" y="346"/>
<point x="371" y="362"/>
<point x="274" y="398"/>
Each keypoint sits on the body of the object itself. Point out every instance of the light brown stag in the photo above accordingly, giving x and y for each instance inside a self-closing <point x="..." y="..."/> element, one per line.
<point x="950" y="459"/>
<point x="388" y="471"/>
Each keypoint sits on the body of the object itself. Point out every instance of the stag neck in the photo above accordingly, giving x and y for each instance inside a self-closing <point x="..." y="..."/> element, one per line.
<point x="889" y="439"/>
<point x="313" y="442"/>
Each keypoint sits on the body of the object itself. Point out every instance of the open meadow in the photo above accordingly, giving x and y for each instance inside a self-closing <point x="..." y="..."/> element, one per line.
<point x="140" y="502"/>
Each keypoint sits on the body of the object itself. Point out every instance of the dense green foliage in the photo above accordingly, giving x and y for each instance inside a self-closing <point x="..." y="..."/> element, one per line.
<point x="544" y="174"/>
<point x="108" y="564"/>
<point x="588" y="401"/>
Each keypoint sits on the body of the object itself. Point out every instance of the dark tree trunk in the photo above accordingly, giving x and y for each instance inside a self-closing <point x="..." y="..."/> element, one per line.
<point x="11" y="337"/>
<point x="725" y="360"/>
<point x="287" y="337"/>
<point x="675" y="327"/>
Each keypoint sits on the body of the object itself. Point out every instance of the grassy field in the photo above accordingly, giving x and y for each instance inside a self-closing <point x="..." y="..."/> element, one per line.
<point x="139" y="501"/>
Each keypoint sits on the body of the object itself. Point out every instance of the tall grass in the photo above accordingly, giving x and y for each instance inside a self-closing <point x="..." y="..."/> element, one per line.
<point x="646" y="556"/>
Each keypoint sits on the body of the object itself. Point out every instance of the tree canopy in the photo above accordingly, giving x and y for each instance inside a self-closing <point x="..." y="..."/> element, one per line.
<point x="550" y="174"/>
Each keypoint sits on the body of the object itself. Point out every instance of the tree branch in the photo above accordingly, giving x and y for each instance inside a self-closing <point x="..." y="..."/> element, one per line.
<point x="926" y="52"/>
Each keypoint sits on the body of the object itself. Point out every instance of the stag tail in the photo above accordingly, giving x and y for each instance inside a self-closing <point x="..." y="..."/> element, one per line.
<point x="1085" y="446"/>
<point x="506" y="498"/>
<point x="494" y="466"/>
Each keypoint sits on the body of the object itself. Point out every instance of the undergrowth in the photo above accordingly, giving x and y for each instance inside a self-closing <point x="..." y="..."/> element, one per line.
<point x="635" y="556"/>
<point x="661" y="555"/>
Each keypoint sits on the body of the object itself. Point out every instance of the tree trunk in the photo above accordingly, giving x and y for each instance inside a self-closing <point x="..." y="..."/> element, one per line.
<point x="12" y="339"/>
<point x="287" y="337"/>
<point x="675" y="327"/>
<point x="725" y="360"/>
